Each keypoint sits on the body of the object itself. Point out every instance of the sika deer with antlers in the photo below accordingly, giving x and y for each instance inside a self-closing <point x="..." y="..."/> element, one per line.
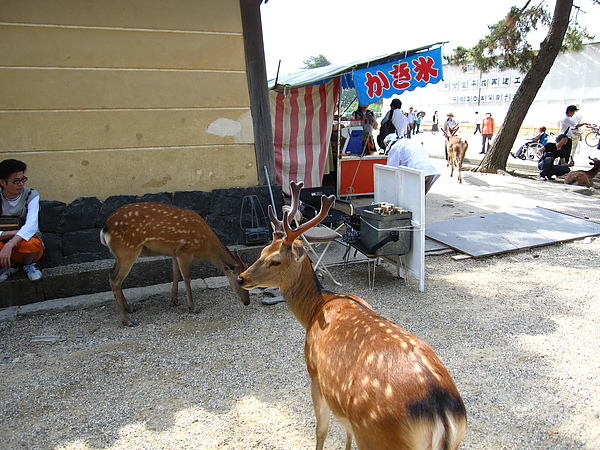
<point x="456" y="148"/>
<point x="388" y="388"/>
<point x="159" y="229"/>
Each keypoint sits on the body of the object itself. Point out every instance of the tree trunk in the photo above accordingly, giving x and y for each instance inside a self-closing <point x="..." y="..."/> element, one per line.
<point x="497" y="156"/>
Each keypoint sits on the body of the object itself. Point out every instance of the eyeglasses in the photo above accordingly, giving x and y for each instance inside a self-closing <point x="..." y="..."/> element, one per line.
<point x="17" y="180"/>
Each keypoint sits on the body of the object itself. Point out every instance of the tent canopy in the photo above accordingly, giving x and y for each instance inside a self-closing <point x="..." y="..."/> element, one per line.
<point x="323" y="74"/>
<point x="303" y="104"/>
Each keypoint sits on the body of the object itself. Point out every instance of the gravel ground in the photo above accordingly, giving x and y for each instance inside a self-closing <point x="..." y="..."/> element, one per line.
<point x="519" y="333"/>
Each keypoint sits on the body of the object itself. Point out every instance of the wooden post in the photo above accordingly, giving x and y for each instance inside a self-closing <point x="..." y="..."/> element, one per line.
<point x="258" y="89"/>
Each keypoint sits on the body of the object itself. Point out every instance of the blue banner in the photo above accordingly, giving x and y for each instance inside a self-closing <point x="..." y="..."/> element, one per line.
<point x="385" y="80"/>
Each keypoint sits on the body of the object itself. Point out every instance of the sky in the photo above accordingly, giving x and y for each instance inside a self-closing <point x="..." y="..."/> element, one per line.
<point x="349" y="30"/>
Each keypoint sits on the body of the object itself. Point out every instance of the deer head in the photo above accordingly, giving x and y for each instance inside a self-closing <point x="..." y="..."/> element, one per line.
<point x="281" y="263"/>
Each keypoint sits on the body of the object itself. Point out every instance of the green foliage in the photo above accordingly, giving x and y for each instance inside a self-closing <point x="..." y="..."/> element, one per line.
<point x="349" y="103"/>
<point x="575" y="39"/>
<point x="506" y="46"/>
<point x="315" y="61"/>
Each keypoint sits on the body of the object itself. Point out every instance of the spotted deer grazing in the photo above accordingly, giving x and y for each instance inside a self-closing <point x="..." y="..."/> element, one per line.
<point x="388" y="388"/>
<point x="584" y="177"/>
<point x="158" y="229"/>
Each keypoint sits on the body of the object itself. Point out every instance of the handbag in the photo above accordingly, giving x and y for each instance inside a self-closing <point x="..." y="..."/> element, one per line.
<point x="352" y="233"/>
<point x="10" y="223"/>
<point x="13" y="223"/>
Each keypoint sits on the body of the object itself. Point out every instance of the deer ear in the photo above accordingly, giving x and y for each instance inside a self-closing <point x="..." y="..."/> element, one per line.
<point x="227" y="268"/>
<point x="298" y="251"/>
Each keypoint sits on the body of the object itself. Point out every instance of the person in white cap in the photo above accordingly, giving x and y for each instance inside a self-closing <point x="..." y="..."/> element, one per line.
<point x="409" y="153"/>
<point x="566" y="126"/>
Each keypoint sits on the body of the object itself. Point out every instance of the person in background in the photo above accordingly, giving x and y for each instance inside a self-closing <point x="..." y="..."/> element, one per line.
<point x="449" y="128"/>
<point x="541" y="137"/>
<point x="409" y="153"/>
<point x="487" y="131"/>
<point x="412" y="117"/>
<point x="399" y="120"/>
<point x="450" y="125"/>
<point x="567" y="125"/>
<point x="418" y="122"/>
<point x="23" y="246"/>
<point x="368" y="123"/>
<point x="548" y="153"/>
<point x="477" y="123"/>
<point x="435" y="123"/>
<point x="577" y="136"/>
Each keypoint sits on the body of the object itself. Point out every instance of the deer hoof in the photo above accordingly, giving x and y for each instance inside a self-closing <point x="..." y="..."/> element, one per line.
<point x="129" y="323"/>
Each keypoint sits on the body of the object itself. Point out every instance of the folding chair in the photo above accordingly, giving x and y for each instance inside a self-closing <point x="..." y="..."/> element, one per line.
<point x="310" y="203"/>
<point x="312" y="239"/>
<point x="373" y="260"/>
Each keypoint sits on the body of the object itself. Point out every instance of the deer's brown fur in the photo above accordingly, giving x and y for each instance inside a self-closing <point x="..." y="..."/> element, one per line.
<point x="457" y="148"/>
<point x="153" y="229"/>
<point x="387" y="387"/>
<point x="584" y="177"/>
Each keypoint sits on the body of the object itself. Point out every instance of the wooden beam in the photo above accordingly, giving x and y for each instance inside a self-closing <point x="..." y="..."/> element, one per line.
<point x="259" y="91"/>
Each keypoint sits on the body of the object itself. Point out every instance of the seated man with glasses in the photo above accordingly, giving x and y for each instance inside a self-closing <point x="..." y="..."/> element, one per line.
<point x="22" y="246"/>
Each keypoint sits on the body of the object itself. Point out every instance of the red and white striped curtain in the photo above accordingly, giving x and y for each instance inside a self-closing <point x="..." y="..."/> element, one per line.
<point x="302" y="121"/>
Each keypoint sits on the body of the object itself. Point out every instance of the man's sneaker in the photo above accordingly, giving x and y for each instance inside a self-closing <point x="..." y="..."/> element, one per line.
<point x="7" y="272"/>
<point x="33" y="273"/>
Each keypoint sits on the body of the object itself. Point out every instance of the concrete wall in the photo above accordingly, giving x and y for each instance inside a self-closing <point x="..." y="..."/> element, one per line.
<point x="117" y="97"/>
<point x="71" y="231"/>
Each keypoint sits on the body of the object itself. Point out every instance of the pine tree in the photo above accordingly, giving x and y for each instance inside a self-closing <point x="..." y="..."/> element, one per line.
<point x="506" y="47"/>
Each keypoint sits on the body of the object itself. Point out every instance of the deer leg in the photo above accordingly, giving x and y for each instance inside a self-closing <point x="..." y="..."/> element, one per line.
<point x="121" y="269"/>
<point x="348" y="441"/>
<point x="322" y="413"/>
<point x="185" y="263"/>
<point x="174" y="288"/>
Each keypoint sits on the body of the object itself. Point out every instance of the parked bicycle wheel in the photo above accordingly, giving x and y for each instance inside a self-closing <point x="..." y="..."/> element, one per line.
<point x="531" y="151"/>
<point x="592" y="138"/>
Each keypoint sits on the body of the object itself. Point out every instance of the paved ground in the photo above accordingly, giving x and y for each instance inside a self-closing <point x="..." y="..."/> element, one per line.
<point x="482" y="193"/>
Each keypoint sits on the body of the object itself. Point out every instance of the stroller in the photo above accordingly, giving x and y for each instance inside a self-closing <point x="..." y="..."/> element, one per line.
<point x="528" y="151"/>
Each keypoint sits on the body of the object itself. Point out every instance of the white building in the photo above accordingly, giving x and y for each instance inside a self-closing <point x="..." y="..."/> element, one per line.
<point x="573" y="80"/>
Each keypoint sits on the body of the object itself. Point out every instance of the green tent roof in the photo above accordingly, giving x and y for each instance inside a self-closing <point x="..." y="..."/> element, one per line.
<point x="321" y="74"/>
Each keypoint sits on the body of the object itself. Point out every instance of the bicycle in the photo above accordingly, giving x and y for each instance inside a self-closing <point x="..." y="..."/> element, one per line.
<point x="592" y="137"/>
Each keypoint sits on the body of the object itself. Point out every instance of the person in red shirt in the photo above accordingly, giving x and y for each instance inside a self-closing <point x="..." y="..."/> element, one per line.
<point x="487" y="131"/>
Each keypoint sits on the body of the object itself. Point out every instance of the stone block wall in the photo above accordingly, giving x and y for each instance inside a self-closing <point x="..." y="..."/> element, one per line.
<point x="71" y="233"/>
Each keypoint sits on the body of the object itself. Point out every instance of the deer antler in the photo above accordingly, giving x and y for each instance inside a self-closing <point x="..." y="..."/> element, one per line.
<point x="291" y="235"/>
<point x="278" y="225"/>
